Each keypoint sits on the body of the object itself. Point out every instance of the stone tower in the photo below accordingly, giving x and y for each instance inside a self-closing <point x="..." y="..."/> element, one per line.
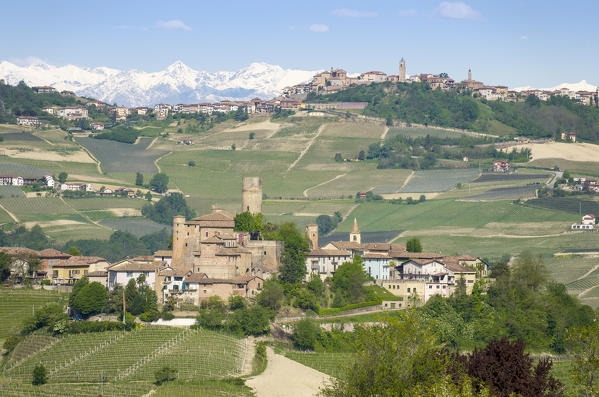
<point x="469" y="74"/>
<point x="312" y="235"/>
<point x="251" y="195"/>
<point x="402" y="70"/>
<point x="355" y="236"/>
<point x="179" y="236"/>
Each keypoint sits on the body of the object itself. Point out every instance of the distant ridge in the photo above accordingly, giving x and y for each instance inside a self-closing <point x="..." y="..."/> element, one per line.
<point x="582" y="85"/>
<point x="178" y="83"/>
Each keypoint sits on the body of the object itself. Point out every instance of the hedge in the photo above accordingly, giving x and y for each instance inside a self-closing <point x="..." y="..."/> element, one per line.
<point x="337" y="310"/>
<point x="80" y="327"/>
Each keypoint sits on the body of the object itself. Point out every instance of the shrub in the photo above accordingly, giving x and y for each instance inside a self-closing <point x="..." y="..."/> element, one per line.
<point x="236" y="302"/>
<point x="90" y="299"/>
<point x="40" y="375"/>
<point x="165" y="374"/>
<point x="150" y="316"/>
<point x="82" y="327"/>
<point x="191" y="163"/>
<point x="166" y="316"/>
<point x="11" y="342"/>
<point x="305" y="334"/>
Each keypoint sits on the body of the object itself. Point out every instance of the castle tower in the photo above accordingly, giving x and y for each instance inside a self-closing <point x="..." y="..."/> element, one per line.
<point x="251" y="195"/>
<point x="402" y="70"/>
<point x="312" y="235"/>
<point x="179" y="235"/>
<point x="355" y="236"/>
<point x="469" y="74"/>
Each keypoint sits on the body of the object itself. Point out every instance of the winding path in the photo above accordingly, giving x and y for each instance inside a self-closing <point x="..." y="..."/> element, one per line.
<point x="286" y="378"/>
<point x="305" y="193"/>
<point x="384" y="134"/>
<point x="13" y="216"/>
<point x="303" y="152"/>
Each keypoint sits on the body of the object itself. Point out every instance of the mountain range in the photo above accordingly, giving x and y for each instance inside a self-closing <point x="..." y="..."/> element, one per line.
<point x="178" y="83"/>
<point x="580" y="86"/>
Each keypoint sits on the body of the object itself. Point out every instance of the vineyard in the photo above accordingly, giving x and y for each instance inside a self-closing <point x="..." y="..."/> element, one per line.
<point x="16" y="304"/>
<point x="11" y="191"/>
<point x="431" y="181"/>
<point x="495" y="177"/>
<point x="136" y="226"/>
<point x="122" y="157"/>
<point x="505" y="193"/>
<point x="40" y="208"/>
<point x="21" y="170"/>
<point x="567" y="204"/>
<point x="585" y="283"/>
<point x="22" y="136"/>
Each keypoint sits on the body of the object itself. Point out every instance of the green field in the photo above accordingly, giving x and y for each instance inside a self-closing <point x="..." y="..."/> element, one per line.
<point x="135" y="225"/>
<point x="334" y="364"/>
<point x="416" y="132"/>
<point x="17" y="304"/>
<point x="122" y="157"/>
<point x="431" y="181"/>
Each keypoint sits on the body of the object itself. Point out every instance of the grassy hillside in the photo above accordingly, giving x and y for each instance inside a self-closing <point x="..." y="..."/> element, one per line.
<point x="417" y="103"/>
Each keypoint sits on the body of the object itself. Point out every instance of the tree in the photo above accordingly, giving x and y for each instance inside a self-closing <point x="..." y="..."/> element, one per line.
<point x="295" y="249"/>
<point x="422" y="198"/>
<point x="530" y="271"/>
<point x="349" y="280"/>
<point x="5" y="264"/>
<point x="361" y="155"/>
<point x="252" y="135"/>
<point x="325" y="224"/>
<point x="247" y="222"/>
<point x="73" y="251"/>
<point x="40" y="375"/>
<point x="414" y="245"/>
<point x="233" y="147"/>
<point x="584" y="347"/>
<point x="236" y="302"/>
<point x="271" y="296"/>
<point x="392" y="359"/>
<point x="148" y="196"/>
<point x="316" y="285"/>
<point x="338" y="157"/>
<point x="164" y="374"/>
<point x="139" y="179"/>
<point x="305" y="334"/>
<point x="90" y="299"/>
<point x="62" y="177"/>
<point x="159" y="182"/>
<point x="506" y="370"/>
<point x="166" y="208"/>
<point x="191" y="163"/>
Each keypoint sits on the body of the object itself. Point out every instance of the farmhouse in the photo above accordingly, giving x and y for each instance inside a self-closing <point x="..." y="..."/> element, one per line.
<point x="96" y="125"/>
<point x="587" y="223"/>
<point x="421" y="278"/>
<point x="72" y="113"/>
<point x="122" y="272"/>
<point x="77" y="187"/>
<point x="199" y="287"/>
<point x="7" y="180"/>
<point x="28" y="120"/>
<point x="44" y="89"/>
<point x="501" y="166"/>
<point x="68" y="271"/>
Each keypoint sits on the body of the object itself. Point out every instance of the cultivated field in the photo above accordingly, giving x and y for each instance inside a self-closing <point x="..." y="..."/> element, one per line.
<point x="123" y="157"/>
<point x="333" y="364"/>
<point x="430" y="181"/>
<point x="415" y="132"/>
<point x="136" y="226"/>
<point x="505" y="193"/>
<point x="509" y="177"/>
<point x="584" y="204"/>
<point x="561" y="150"/>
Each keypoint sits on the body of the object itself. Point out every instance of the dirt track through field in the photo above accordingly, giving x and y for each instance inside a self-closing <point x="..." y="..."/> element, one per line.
<point x="305" y="193"/>
<point x="13" y="216"/>
<point x="384" y="134"/>
<point x="310" y="142"/>
<point x="284" y="377"/>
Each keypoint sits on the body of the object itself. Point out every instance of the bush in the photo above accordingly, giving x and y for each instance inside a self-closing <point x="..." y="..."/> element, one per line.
<point x="159" y="183"/>
<point x="166" y="316"/>
<point x="150" y="316"/>
<point x="305" y="334"/>
<point x="191" y="163"/>
<point x="90" y="299"/>
<point x="254" y="320"/>
<point x="11" y="342"/>
<point x="165" y="374"/>
<point x="40" y="375"/>
<point x="45" y="317"/>
<point x="236" y="302"/>
<point x="82" y="327"/>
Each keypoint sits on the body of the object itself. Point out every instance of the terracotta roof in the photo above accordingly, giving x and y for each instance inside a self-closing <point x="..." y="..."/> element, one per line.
<point x="129" y="266"/>
<point x="78" y="261"/>
<point x="143" y="258"/>
<point x="415" y="255"/>
<point x="215" y="219"/>
<point x="453" y="263"/>
<point x="213" y="240"/>
<point x="323" y="252"/>
<point x="97" y="274"/>
<point x="18" y="251"/>
<point x="163" y="253"/>
<point x="346" y="245"/>
<point x="171" y="271"/>
<point x="52" y="253"/>
<point x="230" y="251"/>
<point x="423" y="261"/>
<point x="377" y="246"/>
<point x="201" y="278"/>
<point x="372" y="255"/>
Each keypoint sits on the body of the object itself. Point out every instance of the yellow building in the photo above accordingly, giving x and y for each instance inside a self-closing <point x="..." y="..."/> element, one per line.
<point x="76" y="267"/>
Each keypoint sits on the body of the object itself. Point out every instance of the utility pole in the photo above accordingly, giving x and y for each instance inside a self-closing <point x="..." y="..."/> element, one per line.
<point x="124" y="306"/>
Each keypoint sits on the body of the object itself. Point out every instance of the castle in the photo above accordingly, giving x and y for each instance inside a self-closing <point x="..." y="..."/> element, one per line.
<point x="210" y="245"/>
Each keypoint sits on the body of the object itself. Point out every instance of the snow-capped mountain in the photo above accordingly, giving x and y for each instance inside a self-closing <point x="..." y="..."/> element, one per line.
<point x="580" y="86"/>
<point x="178" y="83"/>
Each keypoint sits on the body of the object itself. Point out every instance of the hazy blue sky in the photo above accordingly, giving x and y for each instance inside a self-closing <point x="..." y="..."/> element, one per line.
<point x="537" y="42"/>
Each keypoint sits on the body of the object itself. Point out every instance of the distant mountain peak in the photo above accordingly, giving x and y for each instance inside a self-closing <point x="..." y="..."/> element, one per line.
<point x="177" y="83"/>
<point x="582" y="85"/>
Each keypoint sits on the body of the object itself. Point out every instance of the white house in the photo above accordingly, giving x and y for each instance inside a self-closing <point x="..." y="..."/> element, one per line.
<point x="98" y="126"/>
<point x="325" y="262"/>
<point x="130" y="269"/>
<point x="77" y="187"/>
<point x="6" y="180"/>
<point x="165" y="256"/>
<point x="588" y="219"/>
<point x="28" y="120"/>
<point x="72" y="113"/>
<point x="587" y="223"/>
<point x="49" y="180"/>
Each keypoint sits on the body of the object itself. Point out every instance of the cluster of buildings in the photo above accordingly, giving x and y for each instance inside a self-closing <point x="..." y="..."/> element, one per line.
<point x="587" y="222"/>
<point x="581" y="184"/>
<point x="17" y="180"/>
<point x="405" y="274"/>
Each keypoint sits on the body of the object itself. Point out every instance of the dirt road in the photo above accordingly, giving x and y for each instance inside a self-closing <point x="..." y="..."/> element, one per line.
<point x="284" y="377"/>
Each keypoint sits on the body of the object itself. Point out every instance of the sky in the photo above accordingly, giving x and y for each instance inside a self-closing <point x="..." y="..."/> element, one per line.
<point x="510" y="42"/>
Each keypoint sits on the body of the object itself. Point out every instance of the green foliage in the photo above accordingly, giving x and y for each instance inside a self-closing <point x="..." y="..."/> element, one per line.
<point x="89" y="299"/>
<point x="338" y="157"/>
<point x="326" y="223"/>
<point x="73" y="251"/>
<point x="260" y="359"/>
<point x="253" y="320"/>
<point x="349" y="279"/>
<point x="62" y="177"/>
<point x="150" y="316"/>
<point x="191" y="163"/>
<point x="5" y="264"/>
<point x="22" y="237"/>
<point x="11" y="342"/>
<point x="159" y="183"/>
<point x="271" y="296"/>
<point x="165" y="374"/>
<point x="139" y="179"/>
<point x="47" y="316"/>
<point x="166" y="208"/>
<point x="282" y="113"/>
<point x="246" y="222"/>
<point x="315" y="285"/>
<point x="40" y="375"/>
<point x="305" y="334"/>
<point x="237" y="302"/>
<point x="307" y="300"/>
<point x="294" y="252"/>
<point x="584" y="348"/>
<point x="414" y="245"/>
<point x="119" y="133"/>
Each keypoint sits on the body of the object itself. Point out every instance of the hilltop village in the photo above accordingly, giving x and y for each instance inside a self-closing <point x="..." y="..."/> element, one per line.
<point x="295" y="98"/>
<point x="209" y="257"/>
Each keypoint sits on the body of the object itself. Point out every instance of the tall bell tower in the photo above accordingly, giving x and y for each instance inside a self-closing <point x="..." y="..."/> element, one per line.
<point x="402" y="70"/>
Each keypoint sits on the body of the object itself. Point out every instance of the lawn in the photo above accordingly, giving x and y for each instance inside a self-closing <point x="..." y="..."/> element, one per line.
<point x="333" y="364"/>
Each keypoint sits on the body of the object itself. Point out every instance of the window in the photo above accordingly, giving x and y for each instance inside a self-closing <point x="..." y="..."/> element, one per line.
<point x="264" y="252"/>
<point x="168" y="278"/>
<point x="85" y="272"/>
<point x="408" y="290"/>
<point x="178" y="278"/>
<point x="55" y="273"/>
<point x="75" y="272"/>
<point x="129" y="274"/>
<point x="430" y="287"/>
